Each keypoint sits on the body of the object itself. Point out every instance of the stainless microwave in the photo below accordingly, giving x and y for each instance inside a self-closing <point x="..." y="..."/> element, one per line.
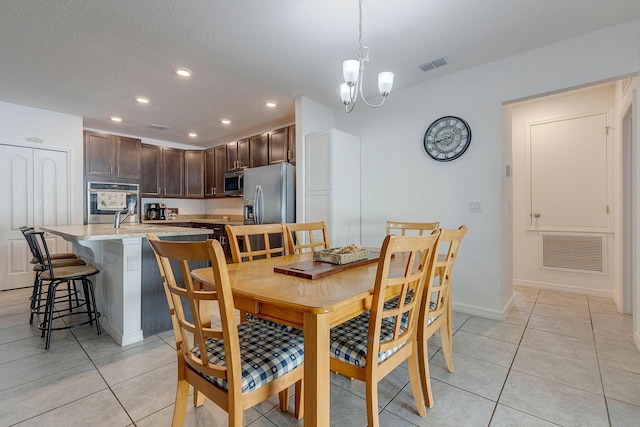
<point x="234" y="183"/>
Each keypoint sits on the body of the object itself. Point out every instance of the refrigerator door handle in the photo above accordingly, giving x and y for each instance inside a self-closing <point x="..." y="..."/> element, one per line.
<point x="259" y="205"/>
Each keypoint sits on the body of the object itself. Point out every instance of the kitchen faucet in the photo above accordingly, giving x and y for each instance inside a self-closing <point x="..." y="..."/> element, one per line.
<point x="116" y="219"/>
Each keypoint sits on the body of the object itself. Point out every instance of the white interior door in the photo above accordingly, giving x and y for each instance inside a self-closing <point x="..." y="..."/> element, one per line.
<point x="568" y="173"/>
<point x="34" y="184"/>
<point x="51" y="194"/>
<point x="16" y="210"/>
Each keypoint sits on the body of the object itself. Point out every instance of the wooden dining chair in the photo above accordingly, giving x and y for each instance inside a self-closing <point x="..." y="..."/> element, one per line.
<point x="411" y="228"/>
<point x="269" y="240"/>
<point x="307" y="236"/>
<point x="370" y="346"/>
<point x="236" y="366"/>
<point x="251" y="242"/>
<point x="436" y="312"/>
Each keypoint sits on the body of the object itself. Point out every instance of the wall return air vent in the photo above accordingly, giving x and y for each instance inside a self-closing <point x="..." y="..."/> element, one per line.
<point x="583" y="252"/>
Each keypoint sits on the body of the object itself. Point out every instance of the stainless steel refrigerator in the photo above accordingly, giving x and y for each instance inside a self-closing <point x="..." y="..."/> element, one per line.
<point x="269" y="194"/>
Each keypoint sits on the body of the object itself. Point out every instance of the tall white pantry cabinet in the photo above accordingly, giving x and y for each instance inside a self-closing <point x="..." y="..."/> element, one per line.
<point x="332" y="184"/>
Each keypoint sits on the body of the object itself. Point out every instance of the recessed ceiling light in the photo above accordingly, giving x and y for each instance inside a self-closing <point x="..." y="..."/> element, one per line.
<point x="183" y="72"/>
<point x="225" y="121"/>
<point x="193" y="134"/>
<point x="270" y="104"/>
<point x="116" y="119"/>
<point x="142" y="99"/>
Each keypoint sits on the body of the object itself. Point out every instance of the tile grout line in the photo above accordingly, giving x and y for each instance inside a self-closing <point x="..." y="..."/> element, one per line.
<point x="595" y="346"/>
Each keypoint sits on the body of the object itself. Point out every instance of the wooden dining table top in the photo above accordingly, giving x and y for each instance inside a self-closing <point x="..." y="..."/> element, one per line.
<point x="257" y="280"/>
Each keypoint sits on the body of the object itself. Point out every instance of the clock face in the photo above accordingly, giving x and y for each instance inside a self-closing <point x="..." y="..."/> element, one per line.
<point x="447" y="138"/>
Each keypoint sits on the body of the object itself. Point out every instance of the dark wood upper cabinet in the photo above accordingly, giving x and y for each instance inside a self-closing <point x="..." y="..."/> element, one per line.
<point x="127" y="157"/>
<point x="259" y="149"/>
<point x="194" y="174"/>
<point x="111" y="156"/>
<point x="238" y="155"/>
<point x="291" y="155"/>
<point x="150" y="170"/>
<point x="220" y="159"/>
<point x="172" y="172"/>
<point x="278" y="146"/>
<point x="209" y="173"/>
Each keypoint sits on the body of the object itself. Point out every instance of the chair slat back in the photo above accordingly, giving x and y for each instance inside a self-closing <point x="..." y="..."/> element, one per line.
<point x="449" y="240"/>
<point x="307" y="236"/>
<point x="200" y="327"/>
<point x="251" y="242"/>
<point x="39" y="249"/>
<point x="405" y="265"/>
<point x="411" y="228"/>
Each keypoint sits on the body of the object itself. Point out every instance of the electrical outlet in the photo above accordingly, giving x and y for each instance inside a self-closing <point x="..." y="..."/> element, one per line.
<point x="132" y="263"/>
<point x="475" y="206"/>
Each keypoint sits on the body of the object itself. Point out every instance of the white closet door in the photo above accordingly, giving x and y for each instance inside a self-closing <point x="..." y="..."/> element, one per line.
<point x="16" y="210"/>
<point x="34" y="186"/>
<point x="51" y="194"/>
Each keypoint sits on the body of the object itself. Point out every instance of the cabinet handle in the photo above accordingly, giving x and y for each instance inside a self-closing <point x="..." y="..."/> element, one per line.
<point x="213" y="190"/>
<point x="536" y="215"/>
<point x="118" y="170"/>
<point x="110" y="170"/>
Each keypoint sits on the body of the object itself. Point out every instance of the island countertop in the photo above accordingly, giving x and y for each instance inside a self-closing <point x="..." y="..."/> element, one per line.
<point x="126" y="231"/>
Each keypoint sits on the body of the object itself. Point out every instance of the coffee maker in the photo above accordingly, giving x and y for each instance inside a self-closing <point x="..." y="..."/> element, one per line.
<point x="155" y="211"/>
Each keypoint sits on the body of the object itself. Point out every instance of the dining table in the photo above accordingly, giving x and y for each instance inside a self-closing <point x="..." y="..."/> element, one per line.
<point x="280" y="289"/>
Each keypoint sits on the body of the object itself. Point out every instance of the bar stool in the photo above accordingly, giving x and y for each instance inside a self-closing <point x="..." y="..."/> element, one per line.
<point x="54" y="276"/>
<point x="57" y="260"/>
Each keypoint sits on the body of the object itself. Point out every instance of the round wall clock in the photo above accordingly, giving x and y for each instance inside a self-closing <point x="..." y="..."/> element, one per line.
<point x="447" y="138"/>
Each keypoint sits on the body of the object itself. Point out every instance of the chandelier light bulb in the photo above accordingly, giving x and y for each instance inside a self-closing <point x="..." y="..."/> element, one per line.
<point x="350" y="70"/>
<point x="345" y="93"/>
<point x="385" y="82"/>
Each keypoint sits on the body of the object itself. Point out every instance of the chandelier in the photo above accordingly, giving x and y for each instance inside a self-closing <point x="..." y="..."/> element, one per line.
<point x="353" y="71"/>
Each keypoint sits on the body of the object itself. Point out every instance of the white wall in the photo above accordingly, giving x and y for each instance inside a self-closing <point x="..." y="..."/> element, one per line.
<point x="399" y="181"/>
<point x="55" y="130"/>
<point x="526" y="243"/>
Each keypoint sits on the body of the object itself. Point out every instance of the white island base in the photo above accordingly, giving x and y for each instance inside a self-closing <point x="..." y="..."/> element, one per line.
<point x="117" y="253"/>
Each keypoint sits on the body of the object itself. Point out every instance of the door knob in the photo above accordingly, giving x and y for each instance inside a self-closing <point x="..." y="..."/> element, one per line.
<point x="536" y="215"/>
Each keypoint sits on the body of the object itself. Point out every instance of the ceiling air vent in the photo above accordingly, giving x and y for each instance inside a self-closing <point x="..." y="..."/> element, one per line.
<point x="157" y="127"/>
<point x="438" y="62"/>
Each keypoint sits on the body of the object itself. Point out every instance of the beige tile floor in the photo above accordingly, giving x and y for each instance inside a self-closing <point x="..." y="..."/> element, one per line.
<point x="558" y="359"/>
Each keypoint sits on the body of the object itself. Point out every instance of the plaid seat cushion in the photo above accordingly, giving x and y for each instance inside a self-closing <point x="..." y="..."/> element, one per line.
<point x="349" y="340"/>
<point x="393" y="303"/>
<point x="266" y="353"/>
<point x="253" y="318"/>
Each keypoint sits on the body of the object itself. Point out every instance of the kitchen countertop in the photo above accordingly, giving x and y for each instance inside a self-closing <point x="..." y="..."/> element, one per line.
<point x="126" y="231"/>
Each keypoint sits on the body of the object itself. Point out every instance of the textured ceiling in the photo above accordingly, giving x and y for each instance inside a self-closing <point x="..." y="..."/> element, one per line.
<point x="92" y="57"/>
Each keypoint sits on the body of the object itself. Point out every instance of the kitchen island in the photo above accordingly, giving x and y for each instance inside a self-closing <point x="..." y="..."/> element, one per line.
<point x="117" y="253"/>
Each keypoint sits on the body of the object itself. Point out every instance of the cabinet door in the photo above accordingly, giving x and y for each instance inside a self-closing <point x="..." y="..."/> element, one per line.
<point x="99" y="154"/>
<point x="278" y="145"/>
<point x="127" y="158"/>
<point x="243" y="154"/>
<point x="291" y="154"/>
<point x="259" y="149"/>
<point x="173" y="172"/>
<point x="232" y="156"/>
<point x="150" y="170"/>
<point x="209" y="173"/>
<point x="194" y="174"/>
<point x="220" y="154"/>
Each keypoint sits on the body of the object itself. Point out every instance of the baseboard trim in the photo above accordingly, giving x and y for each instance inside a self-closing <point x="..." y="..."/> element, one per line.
<point x="475" y="310"/>
<point x="564" y="288"/>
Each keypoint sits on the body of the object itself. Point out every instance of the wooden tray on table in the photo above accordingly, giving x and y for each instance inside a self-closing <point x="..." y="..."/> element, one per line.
<point x="317" y="269"/>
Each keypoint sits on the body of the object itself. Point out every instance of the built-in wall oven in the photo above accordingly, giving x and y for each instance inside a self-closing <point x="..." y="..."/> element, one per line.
<point x="104" y="199"/>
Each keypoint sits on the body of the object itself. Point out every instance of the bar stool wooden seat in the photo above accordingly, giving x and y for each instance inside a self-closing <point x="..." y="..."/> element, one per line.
<point x="52" y="277"/>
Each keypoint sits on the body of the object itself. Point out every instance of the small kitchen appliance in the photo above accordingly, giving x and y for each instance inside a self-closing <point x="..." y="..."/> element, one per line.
<point x="155" y="211"/>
